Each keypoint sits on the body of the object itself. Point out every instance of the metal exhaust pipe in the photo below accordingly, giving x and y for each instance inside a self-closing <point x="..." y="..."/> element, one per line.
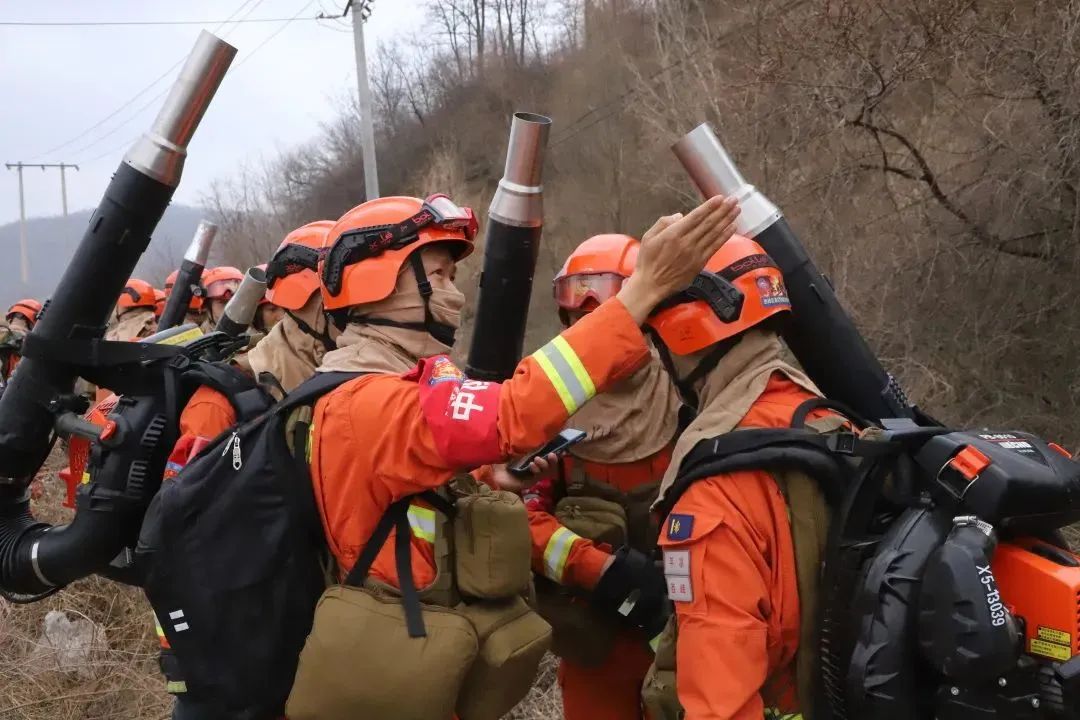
<point x="239" y="312"/>
<point x="33" y="556"/>
<point x="187" y="279"/>
<point x="515" y="225"/>
<point x="821" y="334"/>
<point x="160" y="153"/>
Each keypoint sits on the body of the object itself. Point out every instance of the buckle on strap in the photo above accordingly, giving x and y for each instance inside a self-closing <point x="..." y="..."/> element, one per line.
<point x="842" y="442"/>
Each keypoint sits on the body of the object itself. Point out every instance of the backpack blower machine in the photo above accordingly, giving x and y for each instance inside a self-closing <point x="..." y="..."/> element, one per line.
<point x="948" y="591"/>
<point x="38" y="405"/>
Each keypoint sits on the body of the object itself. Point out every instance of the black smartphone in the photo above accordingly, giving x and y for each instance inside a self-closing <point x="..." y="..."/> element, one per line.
<point x="558" y="445"/>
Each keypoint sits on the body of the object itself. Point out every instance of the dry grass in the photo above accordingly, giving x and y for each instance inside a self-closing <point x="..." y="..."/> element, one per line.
<point x="122" y="679"/>
<point x="119" y="681"/>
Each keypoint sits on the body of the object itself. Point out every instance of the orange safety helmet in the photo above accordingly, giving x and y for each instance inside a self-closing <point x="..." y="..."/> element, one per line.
<point x="687" y="323"/>
<point x="137" y="294"/>
<point x="594" y="272"/>
<point x="292" y="275"/>
<point x="221" y="282"/>
<point x="27" y="308"/>
<point x="370" y="243"/>
<point x="159" y="302"/>
<point x="196" y="303"/>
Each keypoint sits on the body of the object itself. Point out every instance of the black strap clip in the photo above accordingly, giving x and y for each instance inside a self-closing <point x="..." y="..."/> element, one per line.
<point x="842" y="442"/>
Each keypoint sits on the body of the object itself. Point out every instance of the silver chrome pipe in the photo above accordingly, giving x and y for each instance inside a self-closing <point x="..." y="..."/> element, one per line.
<point x="160" y="153"/>
<point x="199" y="250"/>
<point x="519" y="199"/>
<point x="240" y="310"/>
<point x="714" y="173"/>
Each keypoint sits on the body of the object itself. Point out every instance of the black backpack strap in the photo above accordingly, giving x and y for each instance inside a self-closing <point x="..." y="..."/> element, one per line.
<point x="802" y="412"/>
<point x="410" y="598"/>
<point x="245" y="395"/>
<point x="314" y="388"/>
<point x="821" y="456"/>
<point x="95" y="352"/>
<point x="396" y="516"/>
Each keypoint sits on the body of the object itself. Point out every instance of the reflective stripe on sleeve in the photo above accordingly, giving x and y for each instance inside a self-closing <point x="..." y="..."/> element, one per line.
<point x="422" y="522"/>
<point x="567" y="374"/>
<point x="557" y="551"/>
<point x="176" y="687"/>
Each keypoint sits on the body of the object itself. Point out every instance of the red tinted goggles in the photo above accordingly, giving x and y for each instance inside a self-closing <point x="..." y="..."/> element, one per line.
<point x="572" y="292"/>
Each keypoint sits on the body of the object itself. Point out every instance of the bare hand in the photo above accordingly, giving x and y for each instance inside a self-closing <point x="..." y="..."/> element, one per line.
<point x="539" y="468"/>
<point x="674" y="251"/>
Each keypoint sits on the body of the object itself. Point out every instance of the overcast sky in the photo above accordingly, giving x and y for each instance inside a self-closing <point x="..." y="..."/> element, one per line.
<point x="57" y="82"/>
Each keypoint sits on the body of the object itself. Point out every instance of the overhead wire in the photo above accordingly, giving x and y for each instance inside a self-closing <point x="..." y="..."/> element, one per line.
<point x="127" y="103"/>
<point x="124" y="23"/>
<point x="286" y="22"/>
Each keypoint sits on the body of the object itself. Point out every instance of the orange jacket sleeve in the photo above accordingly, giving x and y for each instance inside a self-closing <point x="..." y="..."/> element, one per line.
<point x="718" y="578"/>
<point x="562" y="555"/>
<point x="471" y="423"/>
<point x="207" y="414"/>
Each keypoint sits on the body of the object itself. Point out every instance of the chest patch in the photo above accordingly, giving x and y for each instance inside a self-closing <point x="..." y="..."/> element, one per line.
<point x="680" y="526"/>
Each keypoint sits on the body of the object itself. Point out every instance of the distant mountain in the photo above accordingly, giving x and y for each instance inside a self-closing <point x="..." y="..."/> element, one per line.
<point x="51" y="242"/>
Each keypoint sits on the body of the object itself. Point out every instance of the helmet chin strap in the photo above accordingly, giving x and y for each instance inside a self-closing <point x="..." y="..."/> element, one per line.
<point x="689" y="396"/>
<point x="323" y="337"/>
<point x="442" y="332"/>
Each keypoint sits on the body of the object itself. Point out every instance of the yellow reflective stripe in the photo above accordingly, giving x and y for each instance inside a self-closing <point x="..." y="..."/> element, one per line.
<point x="576" y="366"/>
<point x="566" y="372"/>
<point x="422" y="522"/>
<point x="775" y="714"/>
<point x="158" y="629"/>
<point x="556" y="381"/>
<point x="655" y="643"/>
<point x="557" y="551"/>
<point x="176" y="687"/>
<point x="85" y="478"/>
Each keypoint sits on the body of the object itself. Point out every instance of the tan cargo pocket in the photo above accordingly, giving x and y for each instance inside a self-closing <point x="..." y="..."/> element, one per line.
<point x="659" y="696"/>
<point x="593" y="518"/>
<point x="580" y="634"/>
<point x="513" y="639"/>
<point x="359" y="661"/>
<point x="492" y="544"/>
<point x="659" y="693"/>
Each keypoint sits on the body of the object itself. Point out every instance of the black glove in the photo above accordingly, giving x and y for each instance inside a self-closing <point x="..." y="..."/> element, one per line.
<point x="634" y="588"/>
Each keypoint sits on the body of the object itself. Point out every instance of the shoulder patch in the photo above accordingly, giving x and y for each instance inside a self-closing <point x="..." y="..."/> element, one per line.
<point x="443" y="370"/>
<point x="680" y="526"/>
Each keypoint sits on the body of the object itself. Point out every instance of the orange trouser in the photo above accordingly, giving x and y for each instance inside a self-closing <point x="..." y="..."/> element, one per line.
<point x="612" y="690"/>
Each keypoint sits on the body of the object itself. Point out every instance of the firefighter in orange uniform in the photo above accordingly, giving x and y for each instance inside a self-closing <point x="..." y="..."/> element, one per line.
<point x="603" y="490"/>
<point x="293" y="349"/>
<point x="732" y="542"/>
<point x="219" y="285"/>
<point x="412" y="421"/>
<point x="134" y="312"/>
<point x="20" y="320"/>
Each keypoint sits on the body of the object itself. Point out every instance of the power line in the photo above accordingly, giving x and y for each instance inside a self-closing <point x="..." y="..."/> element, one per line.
<point x="126" y="104"/>
<point x="123" y="23"/>
<point x="127" y="143"/>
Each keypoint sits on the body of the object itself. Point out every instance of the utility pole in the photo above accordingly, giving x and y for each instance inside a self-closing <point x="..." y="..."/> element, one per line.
<point x="18" y="166"/>
<point x="361" y="12"/>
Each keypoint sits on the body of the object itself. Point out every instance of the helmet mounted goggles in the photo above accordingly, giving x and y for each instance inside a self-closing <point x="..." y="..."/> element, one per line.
<point x="363" y="243"/>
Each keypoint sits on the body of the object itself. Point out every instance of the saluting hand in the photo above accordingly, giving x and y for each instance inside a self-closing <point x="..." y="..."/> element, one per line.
<point x="674" y="250"/>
